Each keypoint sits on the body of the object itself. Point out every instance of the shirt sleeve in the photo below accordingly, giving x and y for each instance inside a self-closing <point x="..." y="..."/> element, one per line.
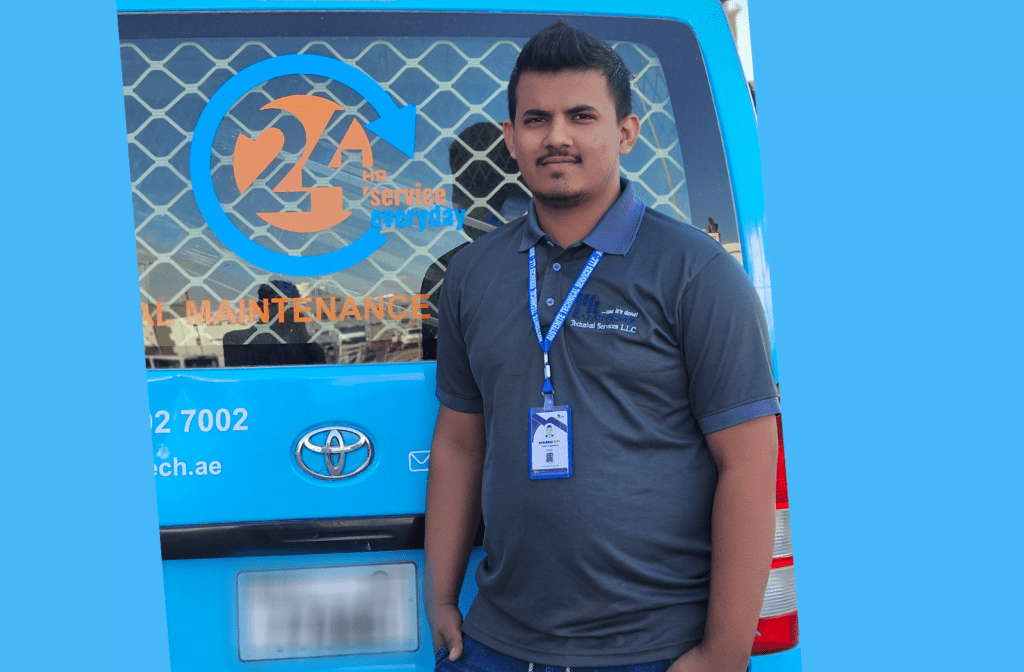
<point x="456" y="386"/>
<point x="726" y="348"/>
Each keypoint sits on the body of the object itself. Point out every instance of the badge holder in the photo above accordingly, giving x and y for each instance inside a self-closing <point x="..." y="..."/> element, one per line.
<point x="550" y="441"/>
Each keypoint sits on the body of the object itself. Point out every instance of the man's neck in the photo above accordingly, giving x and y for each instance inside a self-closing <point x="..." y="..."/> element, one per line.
<point x="568" y="226"/>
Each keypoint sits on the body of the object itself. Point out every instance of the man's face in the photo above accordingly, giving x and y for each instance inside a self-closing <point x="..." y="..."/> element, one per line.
<point x="566" y="137"/>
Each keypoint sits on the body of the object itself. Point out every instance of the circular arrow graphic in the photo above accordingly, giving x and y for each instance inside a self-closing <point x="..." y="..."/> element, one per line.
<point x="396" y="126"/>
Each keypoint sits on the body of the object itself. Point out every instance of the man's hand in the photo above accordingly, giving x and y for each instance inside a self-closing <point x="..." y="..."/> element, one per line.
<point x="447" y="629"/>
<point x="693" y="660"/>
<point x="697" y="660"/>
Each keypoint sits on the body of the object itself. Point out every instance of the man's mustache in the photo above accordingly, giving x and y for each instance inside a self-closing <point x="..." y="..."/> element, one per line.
<point x="559" y="155"/>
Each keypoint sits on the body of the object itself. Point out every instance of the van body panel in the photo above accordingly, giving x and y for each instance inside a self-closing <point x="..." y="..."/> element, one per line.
<point x="268" y="411"/>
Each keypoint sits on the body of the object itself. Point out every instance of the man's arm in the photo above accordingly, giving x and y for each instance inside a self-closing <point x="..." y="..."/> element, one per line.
<point x="453" y="515"/>
<point x="742" y="536"/>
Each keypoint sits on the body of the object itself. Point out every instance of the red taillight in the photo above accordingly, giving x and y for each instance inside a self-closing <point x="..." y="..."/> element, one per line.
<point x="781" y="488"/>
<point x="777" y="634"/>
<point x="777" y="629"/>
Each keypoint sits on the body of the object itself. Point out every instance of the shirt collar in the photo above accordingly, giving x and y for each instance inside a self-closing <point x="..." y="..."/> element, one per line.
<point x="614" y="233"/>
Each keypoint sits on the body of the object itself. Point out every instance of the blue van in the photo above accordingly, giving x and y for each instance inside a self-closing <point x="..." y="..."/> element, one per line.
<point x="301" y="174"/>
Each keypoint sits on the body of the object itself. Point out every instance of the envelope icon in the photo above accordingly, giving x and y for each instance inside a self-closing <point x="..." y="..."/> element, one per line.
<point x="419" y="460"/>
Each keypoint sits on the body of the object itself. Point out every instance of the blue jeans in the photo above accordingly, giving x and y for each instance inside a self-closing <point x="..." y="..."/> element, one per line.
<point x="478" y="658"/>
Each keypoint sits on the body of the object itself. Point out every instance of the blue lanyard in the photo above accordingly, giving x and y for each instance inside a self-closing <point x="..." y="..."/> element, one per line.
<point x="563" y="312"/>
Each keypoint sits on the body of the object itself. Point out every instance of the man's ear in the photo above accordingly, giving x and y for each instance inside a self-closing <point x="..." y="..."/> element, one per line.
<point x="510" y="137"/>
<point x="629" y="131"/>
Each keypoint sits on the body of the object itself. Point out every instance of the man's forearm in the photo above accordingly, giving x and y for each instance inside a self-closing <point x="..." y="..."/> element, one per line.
<point x="453" y="504"/>
<point x="742" y="535"/>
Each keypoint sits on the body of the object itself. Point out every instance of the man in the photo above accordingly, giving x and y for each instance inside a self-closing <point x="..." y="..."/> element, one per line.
<point x="640" y="532"/>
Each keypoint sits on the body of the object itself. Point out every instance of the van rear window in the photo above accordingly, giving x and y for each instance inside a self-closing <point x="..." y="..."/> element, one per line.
<point x="300" y="180"/>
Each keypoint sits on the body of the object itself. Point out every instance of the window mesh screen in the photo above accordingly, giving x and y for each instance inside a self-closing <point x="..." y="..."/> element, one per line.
<point x="458" y="87"/>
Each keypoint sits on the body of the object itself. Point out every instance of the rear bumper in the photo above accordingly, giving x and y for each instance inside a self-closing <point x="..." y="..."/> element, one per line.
<point x="203" y="624"/>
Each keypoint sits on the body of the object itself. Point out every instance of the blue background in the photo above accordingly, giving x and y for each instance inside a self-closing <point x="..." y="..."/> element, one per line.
<point x="891" y="152"/>
<point x="82" y="588"/>
<point x="891" y="147"/>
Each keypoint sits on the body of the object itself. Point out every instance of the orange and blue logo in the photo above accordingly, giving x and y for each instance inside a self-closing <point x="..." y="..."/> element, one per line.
<point x="252" y="156"/>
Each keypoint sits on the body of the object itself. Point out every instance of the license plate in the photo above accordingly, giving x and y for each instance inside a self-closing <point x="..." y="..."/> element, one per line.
<point x="327" y="611"/>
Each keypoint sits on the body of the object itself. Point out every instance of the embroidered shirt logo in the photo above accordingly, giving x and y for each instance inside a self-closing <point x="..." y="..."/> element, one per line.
<point x="589" y="314"/>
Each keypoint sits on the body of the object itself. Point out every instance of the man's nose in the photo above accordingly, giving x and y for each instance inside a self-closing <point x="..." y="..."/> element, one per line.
<point x="558" y="134"/>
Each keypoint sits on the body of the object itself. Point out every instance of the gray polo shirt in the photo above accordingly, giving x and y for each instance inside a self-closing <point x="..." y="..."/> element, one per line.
<point x="666" y="342"/>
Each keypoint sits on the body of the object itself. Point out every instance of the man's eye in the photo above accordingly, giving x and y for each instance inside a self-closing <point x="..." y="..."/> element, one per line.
<point x="533" y="120"/>
<point x="585" y="117"/>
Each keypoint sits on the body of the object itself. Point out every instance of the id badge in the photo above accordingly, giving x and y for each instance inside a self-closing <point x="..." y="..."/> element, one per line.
<point x="550" y="442"/>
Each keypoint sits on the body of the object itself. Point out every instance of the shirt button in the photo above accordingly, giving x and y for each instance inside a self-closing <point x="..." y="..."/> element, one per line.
<point x="550" y="302"/>
<point x="556" y="266"/>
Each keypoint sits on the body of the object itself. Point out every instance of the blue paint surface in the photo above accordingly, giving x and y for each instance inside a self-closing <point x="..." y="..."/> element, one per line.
<point x="259" y="477"/>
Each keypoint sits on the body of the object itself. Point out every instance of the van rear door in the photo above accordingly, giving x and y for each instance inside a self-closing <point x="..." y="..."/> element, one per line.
<point x="300" y="180"/>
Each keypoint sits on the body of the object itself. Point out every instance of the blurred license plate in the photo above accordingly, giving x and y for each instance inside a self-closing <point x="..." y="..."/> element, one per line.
<point x="327" y="611"/>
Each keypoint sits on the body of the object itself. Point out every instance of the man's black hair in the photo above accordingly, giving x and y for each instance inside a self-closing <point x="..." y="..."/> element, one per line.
<point x="561" y="46"/>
